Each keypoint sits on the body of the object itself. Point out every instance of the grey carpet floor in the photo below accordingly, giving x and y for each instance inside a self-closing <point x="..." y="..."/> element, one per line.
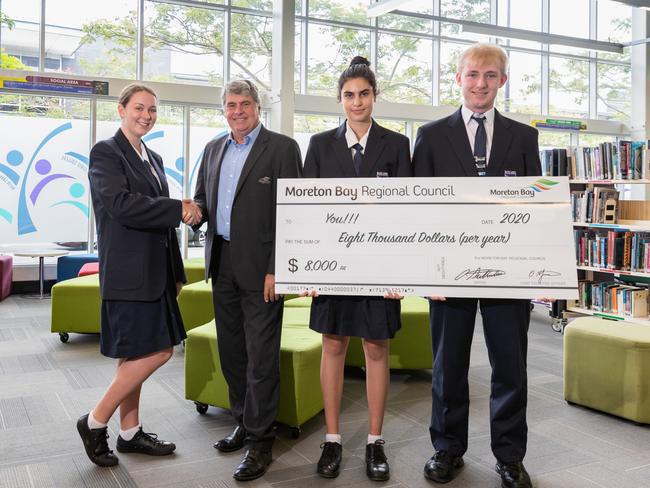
<point x="46" y="385"/>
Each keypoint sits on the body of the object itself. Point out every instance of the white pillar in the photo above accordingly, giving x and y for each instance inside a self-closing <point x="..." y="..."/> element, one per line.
<point x="282" y="95"/>
<point x="640" y="57"/>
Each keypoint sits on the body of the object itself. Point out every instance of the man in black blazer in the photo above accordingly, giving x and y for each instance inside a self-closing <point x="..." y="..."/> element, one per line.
<point x="236" y="191"/>
<point x="477" y="140"/>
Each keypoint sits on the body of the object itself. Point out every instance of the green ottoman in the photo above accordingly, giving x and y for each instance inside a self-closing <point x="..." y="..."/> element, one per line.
<point x="194" y="269"/>
<point x="291" y="301"/>
<point x="300" y="395"/>
<point x="296" y="317"/>
<point x="607" y="367"/>
<point x="195" y="304"/>
<point x="411" y="346"/>
<point x="76" y="306"/>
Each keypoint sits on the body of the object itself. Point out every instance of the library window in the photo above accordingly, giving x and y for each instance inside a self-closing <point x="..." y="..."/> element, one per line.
<point x="98" y="40"/>
<point x="330" y="50"/>
<point x="404" y="69"/>
<point x="183" y="44"/>
<point x="251" y="48"/>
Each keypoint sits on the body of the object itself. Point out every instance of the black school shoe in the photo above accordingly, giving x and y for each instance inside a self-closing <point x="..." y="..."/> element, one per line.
<point x="96" y="444"/>
<point x="254" y="465"/>
<point x="233" y="441"/>
<point x="513" y="475"/>
<point x="376" y="463"/>
<point x="145" y="443"/>
<point x="329" y="463"/>
<point x="442" y="467"/>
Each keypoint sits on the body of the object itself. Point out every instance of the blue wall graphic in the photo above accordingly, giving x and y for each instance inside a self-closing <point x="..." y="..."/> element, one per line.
<point x="42" y="167"/>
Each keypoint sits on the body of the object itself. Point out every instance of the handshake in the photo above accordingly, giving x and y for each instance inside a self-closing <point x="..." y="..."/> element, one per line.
<point x="191" y="212"/>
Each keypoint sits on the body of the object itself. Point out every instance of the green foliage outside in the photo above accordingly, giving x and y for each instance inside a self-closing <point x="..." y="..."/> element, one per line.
<point x="404" y="67"/>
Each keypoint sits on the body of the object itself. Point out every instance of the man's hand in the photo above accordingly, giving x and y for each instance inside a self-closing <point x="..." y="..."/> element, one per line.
<point x="191" y="212"/>
<point x="437" y="299"/>
<point x="308" y="293"/>
<point x="393" y="296"/>
<point x="269" y="289"/>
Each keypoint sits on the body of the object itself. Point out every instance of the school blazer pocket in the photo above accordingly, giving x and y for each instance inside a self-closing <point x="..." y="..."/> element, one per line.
<point x="124" y="270"/>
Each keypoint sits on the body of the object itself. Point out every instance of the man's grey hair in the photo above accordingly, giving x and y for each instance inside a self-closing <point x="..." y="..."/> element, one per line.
<point x="241" y="87"/>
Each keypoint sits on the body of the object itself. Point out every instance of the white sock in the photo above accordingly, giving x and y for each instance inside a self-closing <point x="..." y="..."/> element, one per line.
<point x="93" y="423"/>
<point x="128" y="434"/>
<point x="333" y="438"/>
<point x="372" y="438"/>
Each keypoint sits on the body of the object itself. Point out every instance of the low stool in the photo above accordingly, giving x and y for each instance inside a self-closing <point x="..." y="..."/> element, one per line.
<point x="6" y="275"/>
<point x="607" y="367"/>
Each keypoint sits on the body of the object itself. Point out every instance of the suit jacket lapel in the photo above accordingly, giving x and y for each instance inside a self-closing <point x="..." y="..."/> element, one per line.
<point x="460" y="143"/>
<point x="501" y="140"/>
<point x="135" y="161"/>
<point x="374" y="147"/>
<point x="160" y="171"/>
<point x="214" y="163"/>
<point x="256" y="151"/>
<point x="343" y="153"/>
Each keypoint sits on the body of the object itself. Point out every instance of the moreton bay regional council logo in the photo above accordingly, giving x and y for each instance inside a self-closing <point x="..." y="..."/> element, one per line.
<point x="543" y="184"/>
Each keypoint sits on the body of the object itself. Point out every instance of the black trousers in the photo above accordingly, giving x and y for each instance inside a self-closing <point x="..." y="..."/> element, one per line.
<point x="248" y="333"/>
<point x="505" y="326"/>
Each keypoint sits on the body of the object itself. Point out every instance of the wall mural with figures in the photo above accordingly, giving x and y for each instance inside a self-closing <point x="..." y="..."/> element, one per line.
<point x="44" y="192"/>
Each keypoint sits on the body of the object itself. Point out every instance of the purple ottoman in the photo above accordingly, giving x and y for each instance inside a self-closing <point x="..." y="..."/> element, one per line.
<point x="6" y="272"/>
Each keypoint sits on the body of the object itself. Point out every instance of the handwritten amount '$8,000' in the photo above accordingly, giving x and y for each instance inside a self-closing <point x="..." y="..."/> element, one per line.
<point x="315" y="265"/>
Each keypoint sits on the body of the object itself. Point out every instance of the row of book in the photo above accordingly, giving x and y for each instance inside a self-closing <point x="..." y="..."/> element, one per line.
<point x="615" y="250"/>
<point x="595" y="205"/>
<point x="624" y="160"/>
<point x="623" y="299"/>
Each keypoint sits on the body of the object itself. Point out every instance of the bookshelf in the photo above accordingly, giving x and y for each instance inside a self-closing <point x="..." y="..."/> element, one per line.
<point x="612" y="258"/>
<point x="612" y="235"/>
<point x="605" y="315"/>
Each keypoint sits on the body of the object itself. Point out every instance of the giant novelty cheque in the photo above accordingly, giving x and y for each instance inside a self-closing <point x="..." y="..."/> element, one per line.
<point x="508" y="237"/>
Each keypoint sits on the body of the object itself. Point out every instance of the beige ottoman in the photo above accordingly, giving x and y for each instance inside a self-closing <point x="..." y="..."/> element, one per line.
<point x="607" y="367"/>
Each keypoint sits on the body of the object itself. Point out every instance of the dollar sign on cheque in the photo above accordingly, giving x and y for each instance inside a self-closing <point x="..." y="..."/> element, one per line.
<point x="292" y="265"/>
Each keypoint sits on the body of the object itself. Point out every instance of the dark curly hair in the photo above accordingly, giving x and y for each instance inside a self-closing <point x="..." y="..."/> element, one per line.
<point x="359" y="68"/>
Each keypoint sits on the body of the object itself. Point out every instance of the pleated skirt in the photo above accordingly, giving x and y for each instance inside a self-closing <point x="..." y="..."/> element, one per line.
<point x="366" y="317"/>
<point x="134" y="328"/>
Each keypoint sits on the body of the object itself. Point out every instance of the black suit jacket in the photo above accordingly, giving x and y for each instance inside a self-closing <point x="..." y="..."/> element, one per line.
<point x="252" y="223"/>
<point x="387" y="153"/>
<point x="442" y="149"/>
<point x="135" y="222"/>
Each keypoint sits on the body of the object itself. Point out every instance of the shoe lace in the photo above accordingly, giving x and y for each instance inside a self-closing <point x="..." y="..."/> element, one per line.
<point x="329" y="452"/>
<point x="102" y="443"/>
<point x="151" y="437"/>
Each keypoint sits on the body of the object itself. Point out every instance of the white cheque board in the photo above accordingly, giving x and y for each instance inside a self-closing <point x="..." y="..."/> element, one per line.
<point x="508" y="237"/>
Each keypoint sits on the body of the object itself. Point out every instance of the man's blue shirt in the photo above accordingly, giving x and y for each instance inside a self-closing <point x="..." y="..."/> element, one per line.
<point x="231" y="167"/>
